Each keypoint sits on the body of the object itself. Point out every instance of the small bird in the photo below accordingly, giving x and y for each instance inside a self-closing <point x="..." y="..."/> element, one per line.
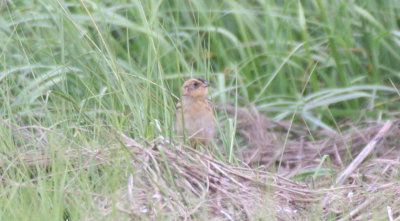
<point x="194" y="115"/>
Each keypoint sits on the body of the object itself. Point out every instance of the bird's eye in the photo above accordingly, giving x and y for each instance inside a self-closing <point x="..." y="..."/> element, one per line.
<point x="195" y="84"/>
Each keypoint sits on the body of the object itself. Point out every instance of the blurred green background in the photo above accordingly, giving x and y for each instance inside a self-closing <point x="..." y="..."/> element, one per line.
<point x="125" y="60"/>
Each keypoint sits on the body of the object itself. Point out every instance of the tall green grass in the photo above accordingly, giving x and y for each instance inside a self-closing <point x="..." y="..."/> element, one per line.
<point x="79" y="68"/>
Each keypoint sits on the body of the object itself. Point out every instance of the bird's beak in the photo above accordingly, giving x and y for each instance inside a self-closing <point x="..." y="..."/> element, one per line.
<point x="206" y="83"/>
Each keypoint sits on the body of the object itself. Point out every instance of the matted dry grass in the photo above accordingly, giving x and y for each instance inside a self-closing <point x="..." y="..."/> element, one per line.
<point x="174" y="181"/>
<point x="364" y="190"/>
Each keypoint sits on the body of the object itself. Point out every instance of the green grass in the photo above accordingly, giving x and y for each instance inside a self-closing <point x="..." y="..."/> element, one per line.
<point x="78" y="68"/>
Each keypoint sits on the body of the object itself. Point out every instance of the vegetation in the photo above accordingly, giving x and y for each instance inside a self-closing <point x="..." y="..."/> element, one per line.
<point x="75" y="75"/>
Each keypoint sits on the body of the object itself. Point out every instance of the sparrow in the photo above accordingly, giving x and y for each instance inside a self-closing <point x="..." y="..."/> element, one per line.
<point x="194" y="115"/>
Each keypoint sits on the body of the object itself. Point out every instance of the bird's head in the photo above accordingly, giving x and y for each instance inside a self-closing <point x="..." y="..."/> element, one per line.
<point x="195" y="88"/>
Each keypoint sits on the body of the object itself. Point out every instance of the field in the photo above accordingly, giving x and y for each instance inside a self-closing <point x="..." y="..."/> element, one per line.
<point x="306" y="96"/>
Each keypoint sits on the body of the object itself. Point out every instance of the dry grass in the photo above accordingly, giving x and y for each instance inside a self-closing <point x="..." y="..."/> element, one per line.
<point x="175" y="181"/>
